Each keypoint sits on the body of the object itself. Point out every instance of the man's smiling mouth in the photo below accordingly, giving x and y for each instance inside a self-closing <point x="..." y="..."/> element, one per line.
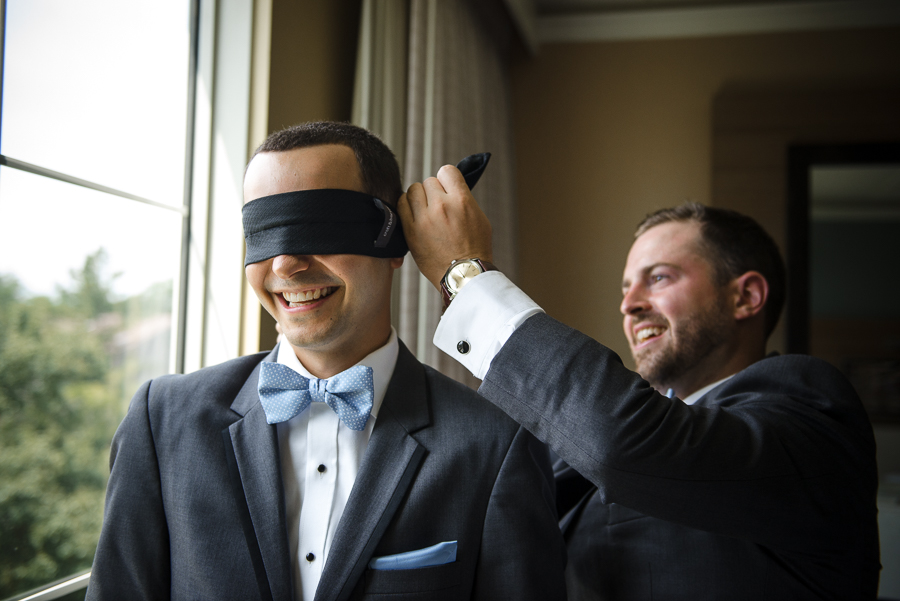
<point x="297" y="299"/>
<point x="648" y="332"/>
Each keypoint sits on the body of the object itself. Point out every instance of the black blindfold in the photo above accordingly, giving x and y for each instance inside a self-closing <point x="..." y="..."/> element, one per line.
<point x="328" y="222"/>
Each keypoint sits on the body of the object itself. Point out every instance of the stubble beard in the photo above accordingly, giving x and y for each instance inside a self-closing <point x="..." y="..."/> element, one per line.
<point x="698" y="336"/>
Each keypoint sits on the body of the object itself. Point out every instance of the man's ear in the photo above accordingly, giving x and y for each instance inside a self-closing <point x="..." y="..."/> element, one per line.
<point x="396" y="262"/>
<point x="751" y="291"/>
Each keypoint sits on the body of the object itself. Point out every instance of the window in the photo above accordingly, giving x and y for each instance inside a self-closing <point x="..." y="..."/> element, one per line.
<point x="114" y="161"/>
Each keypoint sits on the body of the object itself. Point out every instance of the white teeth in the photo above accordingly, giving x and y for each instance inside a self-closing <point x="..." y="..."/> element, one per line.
<point x="645" y="333"/>
<point x="293" y="298"/>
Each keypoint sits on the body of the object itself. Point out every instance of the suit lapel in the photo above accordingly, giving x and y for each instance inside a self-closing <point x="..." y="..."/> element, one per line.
<point x="388" y="469"/>
<point x="251" y="446"/>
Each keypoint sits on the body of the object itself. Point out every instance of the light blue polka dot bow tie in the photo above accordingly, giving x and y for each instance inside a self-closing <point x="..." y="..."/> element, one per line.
<point x="285" y="393"/>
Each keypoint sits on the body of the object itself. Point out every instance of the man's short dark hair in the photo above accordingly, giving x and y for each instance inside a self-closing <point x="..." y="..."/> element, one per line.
<point x="733" y="244"/>
<point x="377" y="164"/>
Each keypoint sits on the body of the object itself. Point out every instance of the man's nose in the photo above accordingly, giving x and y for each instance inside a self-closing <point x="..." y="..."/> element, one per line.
<point x="286" y="266"/>
<point x="635" y="301"/>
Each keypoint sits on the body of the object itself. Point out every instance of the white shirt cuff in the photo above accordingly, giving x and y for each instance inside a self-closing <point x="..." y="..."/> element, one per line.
<point x="481" y="319"/>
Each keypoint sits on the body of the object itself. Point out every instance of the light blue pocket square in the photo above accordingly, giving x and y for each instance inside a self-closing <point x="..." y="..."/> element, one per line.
<point x="436" y="555"/>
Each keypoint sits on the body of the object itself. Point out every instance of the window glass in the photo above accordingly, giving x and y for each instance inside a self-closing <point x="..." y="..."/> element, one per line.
<point x="86" y="313"/>
<point x="97" y="89"/>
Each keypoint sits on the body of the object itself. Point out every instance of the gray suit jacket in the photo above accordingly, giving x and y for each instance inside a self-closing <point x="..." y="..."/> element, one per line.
<point x="764" y="489"/>
<point x="195" y="505"/>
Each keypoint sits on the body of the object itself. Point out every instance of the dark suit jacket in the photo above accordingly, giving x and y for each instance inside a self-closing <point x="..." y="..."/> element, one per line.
<point x="195" y="505"/>
<point x="764" y="489"/>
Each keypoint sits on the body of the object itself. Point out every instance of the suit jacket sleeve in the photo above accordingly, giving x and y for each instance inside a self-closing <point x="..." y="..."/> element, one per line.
<point x="132" y="559"/>
<point x="522" y="553"/>
<point x="786" y="447"/>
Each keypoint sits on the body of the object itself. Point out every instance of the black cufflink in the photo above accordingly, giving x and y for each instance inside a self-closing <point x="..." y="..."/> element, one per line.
<point x="463" y="347"/>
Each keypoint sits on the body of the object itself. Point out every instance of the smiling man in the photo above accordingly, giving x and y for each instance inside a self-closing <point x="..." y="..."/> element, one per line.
<point x="336" y="467"/>
<point x="719" y="474"/>
<point x="702" y="292"/>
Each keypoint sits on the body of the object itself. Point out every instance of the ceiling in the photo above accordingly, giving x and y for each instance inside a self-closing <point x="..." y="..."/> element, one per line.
<point x="562" y="7"/>
<point x="572" y="21"/>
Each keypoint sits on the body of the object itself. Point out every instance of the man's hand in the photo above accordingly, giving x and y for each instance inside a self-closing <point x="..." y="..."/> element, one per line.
<point x="443" y="223"/>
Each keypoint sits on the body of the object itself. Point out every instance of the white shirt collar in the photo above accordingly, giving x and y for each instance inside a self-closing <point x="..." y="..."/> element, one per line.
<point x="694" y="397"/>
<point x="381" y="360"/>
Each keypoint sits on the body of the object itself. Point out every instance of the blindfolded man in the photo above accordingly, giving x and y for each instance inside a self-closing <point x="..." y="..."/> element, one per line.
<point x="337" y="466"/>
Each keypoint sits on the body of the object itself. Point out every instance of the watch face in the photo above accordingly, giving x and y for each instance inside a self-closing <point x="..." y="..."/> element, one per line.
<point x="460" y="274"/>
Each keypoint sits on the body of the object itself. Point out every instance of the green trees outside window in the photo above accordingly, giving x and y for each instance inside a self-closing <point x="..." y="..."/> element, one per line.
<point x="70" y="363"/>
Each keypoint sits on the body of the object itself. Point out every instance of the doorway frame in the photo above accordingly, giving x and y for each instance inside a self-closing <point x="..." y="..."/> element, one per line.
<point x="801" y="159"/>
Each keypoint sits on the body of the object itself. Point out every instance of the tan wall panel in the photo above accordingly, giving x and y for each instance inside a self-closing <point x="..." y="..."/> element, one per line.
<point x="313" y="61"/>
<point x="607" y="132"/>
<point x="739" y="149"/>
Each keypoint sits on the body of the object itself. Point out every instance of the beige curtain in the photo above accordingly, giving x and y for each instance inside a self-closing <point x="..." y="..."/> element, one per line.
<point x="432" y="82"/>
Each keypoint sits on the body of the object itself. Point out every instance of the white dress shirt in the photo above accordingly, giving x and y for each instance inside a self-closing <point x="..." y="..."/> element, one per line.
<point x="694" y="397"/>
<point x="320" y="458"/>
<point x="483" y="314"/>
